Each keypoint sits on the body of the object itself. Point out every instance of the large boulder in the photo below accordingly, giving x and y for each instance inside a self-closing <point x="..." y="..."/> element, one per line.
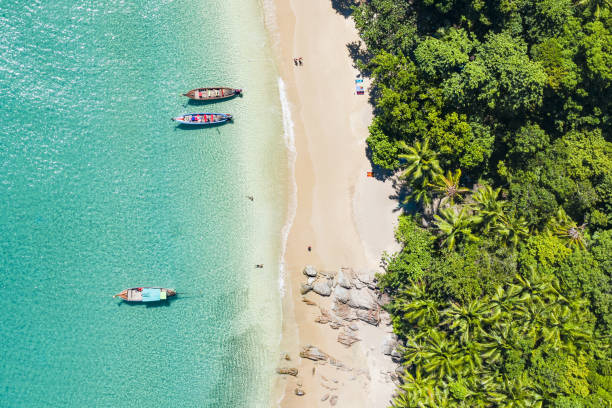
<point x="305" y="288"/>
<point x="341" y="294"/>
<point x="310" y="270"/>
<point x="313" y="353"/>
<point x="322" y="288"/>
<point x="344" y="278"/>
<point x="299" y="392"/>
<point x="369" y="316"/>
<point x="366" y="278"/>
<point x="362" y="299"/>
<point x="396" y="355"/>
<point x="389" y="345"/>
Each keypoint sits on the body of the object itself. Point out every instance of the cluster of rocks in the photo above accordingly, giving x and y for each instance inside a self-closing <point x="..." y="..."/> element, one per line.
<point x="354" y="298"/>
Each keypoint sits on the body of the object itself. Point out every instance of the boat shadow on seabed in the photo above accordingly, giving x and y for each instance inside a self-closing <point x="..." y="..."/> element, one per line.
<point x="160" y="303"/>
<point x="183" y="126"/>
<point x="197" y="102"/>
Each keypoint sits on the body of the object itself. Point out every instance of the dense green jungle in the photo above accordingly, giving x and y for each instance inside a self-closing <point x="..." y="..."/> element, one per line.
<point x="496" y="117"/>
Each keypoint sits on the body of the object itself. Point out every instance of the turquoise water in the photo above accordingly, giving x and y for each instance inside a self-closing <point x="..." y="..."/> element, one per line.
<point x="100" y="191"/>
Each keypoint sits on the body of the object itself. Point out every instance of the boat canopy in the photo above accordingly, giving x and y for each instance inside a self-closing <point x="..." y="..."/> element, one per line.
<point x="151" y="294"/>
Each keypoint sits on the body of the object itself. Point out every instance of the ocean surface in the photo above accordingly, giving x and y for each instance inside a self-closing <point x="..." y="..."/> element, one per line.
<point x="100" y="191"/>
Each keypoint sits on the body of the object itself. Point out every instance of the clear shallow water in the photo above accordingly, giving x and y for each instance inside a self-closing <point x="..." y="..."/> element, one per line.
<point x="100" y="191"/>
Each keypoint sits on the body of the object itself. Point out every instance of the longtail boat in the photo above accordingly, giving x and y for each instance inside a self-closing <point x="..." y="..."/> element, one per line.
<point x="212" y="94"/>
<point x="145" y="294"/>
<point x="203" y="118"/>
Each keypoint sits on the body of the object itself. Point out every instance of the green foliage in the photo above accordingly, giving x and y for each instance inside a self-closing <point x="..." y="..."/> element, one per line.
<point x="383" y="151"/>
<point x="413" y="261"/>
<point x="501" y="79"/>
<point x="502" y="293"/>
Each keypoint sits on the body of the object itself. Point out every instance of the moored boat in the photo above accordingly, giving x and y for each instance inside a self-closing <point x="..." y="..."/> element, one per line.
<point x="146" y="294"/>
<point x="203" y="118"/>
<point x="212" y="94"/>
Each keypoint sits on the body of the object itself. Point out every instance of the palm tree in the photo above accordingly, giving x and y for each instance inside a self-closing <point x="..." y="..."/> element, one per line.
<point x="448" y="186"/>
<point x="422" y="163"/>
<point x="421" y="313"/>
<point x="538" y="286"/>
<point x="417" y="389"/>
<point x="512" y="229"/>
<point x="504" y="302"/>
<point x="567" y="229"/>
<point x="419" y="193"/>
<point x="489" y="207"/>
<point x="442" y="357"/>
<point x="422" y="168"/>
<point x="564" y="328"/>
<point x="455" y="225"/>
<point x="466" y="319"/>
<point x="515" y="393"/>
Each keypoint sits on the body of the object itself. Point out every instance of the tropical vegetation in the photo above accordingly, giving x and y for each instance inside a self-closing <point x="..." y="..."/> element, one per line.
<point x="496" y="118"/>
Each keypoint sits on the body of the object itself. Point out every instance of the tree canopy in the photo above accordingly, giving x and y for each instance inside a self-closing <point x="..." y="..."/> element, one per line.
<point x="497" y="115"/>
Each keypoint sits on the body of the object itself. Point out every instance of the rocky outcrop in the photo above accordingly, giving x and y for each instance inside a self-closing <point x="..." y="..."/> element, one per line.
<point x="313" y="353"/>
<point x="287" y="371"/>
<point x="396" y="355"/>
<point x="361" y="299"/>
<point x="389" y="344"/>
<point x="310" y="270"/>
<point x="299" y="392"/>
<point x="369" y="316"/>
<point x="343" y="311"/>
<point x="342" y="294"/>
<point x="344" y="278"/>
<point x="305" y="288"/>
<point x="324" y="318"/>
<point x="322" y="288"/>
<point x="347" y="338"/>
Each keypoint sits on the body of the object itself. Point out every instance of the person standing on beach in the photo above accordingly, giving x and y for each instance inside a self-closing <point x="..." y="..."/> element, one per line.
<point x="295" y="61"/>
<point x="300" y="61"/>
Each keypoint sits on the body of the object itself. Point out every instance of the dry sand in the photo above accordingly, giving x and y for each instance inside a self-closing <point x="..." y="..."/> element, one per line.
<point x="346" y="217"/>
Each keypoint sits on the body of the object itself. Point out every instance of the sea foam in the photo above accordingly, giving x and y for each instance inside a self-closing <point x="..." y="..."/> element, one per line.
<point x="289" y="137"/>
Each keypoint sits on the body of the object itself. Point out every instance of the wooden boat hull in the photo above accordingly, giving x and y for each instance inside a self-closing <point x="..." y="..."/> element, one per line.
<point x="203" y="119"/>
<point x="146" y="294"/>
<point x="212" y="94"/>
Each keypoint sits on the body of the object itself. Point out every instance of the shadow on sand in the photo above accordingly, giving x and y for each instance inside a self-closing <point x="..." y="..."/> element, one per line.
<point x="344" y="7"/>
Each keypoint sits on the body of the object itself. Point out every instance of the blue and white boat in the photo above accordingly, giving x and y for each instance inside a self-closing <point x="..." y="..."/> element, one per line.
<point x="146" y="294"/>
<point x="203" y="119"/>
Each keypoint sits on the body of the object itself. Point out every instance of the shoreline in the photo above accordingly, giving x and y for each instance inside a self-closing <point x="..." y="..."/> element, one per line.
<point x="347" y="218"/>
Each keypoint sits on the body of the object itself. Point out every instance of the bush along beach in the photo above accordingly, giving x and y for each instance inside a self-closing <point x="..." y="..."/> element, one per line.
<point x="496" y="118"/>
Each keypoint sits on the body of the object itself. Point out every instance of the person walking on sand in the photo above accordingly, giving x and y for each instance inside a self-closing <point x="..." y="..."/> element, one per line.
<point x="309" y="248"/>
